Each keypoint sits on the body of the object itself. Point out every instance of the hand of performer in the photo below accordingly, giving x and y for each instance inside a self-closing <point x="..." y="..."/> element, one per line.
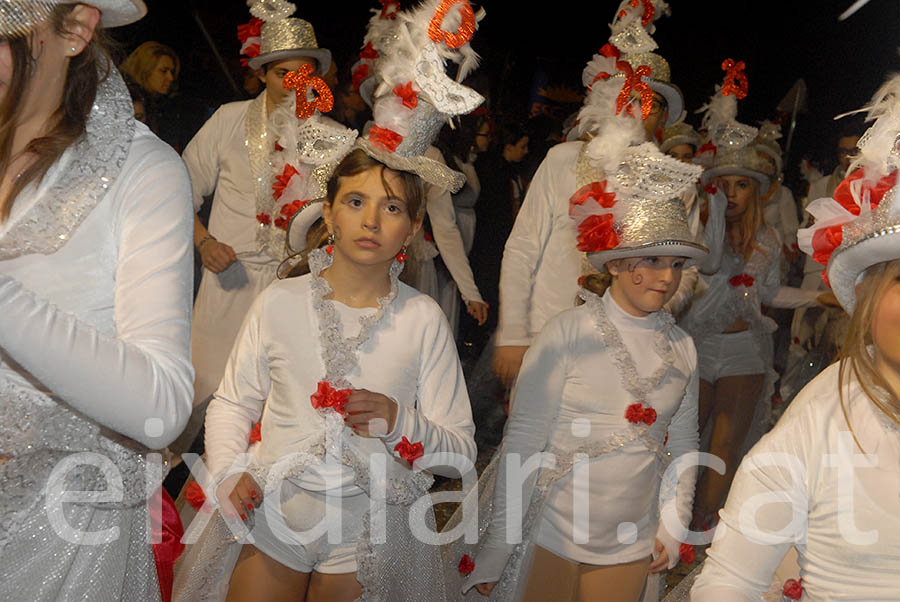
<point x="238" y="495"/>
<point x="485" y="589"/>
<point x="827" y="300"/>
<point x="370" y="414"/>
<point x="507" y="361"/>
<point x="479" y="311"/>
<point x="661" y="563"/>
<point x="216" y="256"/>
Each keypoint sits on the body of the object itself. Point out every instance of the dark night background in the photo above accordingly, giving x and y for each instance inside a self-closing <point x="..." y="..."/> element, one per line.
<point x="842" y="63"/>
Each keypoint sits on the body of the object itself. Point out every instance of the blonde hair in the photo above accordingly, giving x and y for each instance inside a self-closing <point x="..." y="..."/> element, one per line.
<point x="854" y="356"/>
<point x="746" y="228"/>
<point x="141" y="63"/>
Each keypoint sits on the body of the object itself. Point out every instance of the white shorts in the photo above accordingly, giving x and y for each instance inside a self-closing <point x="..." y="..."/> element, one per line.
<point x="731" y="354"/>
<point x="298" y="540"/>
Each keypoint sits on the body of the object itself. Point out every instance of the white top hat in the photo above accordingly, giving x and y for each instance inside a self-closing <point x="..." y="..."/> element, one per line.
<point x="18" y="17"/>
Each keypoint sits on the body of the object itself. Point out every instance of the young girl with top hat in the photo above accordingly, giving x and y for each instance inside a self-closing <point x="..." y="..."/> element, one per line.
<point x="828" y="474"/>
<point x="733" y="335"/>
<point x="609" y="391"/>
<point x="356" y="383"/>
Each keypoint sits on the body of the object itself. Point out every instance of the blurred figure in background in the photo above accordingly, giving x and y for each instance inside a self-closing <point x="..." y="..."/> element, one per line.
<point x="155" y="68"/>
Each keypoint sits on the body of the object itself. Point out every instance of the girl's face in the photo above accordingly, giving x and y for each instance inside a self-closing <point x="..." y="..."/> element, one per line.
<point x="163" y="75"/>
<point x="483" y="137"/>
<point x="683" y="152"/>
<point x="643" y="285"/>
<point x="886" y="325"/>
<point x="369" y="224"/>
<point x="739" y="190"/>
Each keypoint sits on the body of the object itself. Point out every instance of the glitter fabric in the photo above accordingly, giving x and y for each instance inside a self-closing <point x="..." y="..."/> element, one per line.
<point x="18" y="17"/>
<point x="93" y="164"/>
<point x="633" y="38"/>
<point x="659" y="65"/>
<point x="305" y="84"/>
<point x="283" y="37"/>
<point x="430" y="171"/>
<point x="464" y="32"/>
<point x="286" y="34"/>
<point x="442" y="92"/>
<point x="272" y="10"/>
<point x="735" y="78"/>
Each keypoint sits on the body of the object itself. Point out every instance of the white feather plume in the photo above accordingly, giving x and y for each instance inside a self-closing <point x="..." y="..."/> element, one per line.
<point x="878" y="147"/>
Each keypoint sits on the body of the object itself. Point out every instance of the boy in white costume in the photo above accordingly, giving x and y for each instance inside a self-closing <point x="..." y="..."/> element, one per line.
<point x="236" y="155"/>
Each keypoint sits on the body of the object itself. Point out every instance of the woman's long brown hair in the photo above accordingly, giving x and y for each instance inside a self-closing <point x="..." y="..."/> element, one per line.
<point x="80" y="90"/>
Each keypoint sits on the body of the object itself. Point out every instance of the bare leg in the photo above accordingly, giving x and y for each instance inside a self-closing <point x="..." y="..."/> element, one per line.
<point x="613" y="583"/>
<point x="705" y="402"/>
<point x="259" y="578"/>
<point x="334" y="587"/>
<point x="733" y="409"/>
<point x="552" y="578"/>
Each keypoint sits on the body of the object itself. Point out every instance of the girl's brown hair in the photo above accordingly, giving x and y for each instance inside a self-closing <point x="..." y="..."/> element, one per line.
<point x="86" y="71"/>
<point x="141" y="63"/>
<point x="855" y="358"/>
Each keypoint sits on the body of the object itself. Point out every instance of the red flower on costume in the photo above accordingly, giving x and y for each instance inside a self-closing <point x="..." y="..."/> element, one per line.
<point x="686" y="553"/>
<point x="596" y="191"/>
<point x="634" y="413"/>
<point x="466" y="565"/>
<point x="597" y="233"/>
<point x="278" y="147"/>
<point x="368" y="52"/>
<point x="649" y="416"/>
<point x="735" y="79"/>
<point x="360" y="72"/>
<point x="264" y="218"/>
<point x="741" y="280"/>
<point x="282" y="180"/>
<point x="634" y="83"/>
<point x="256" y="433"/>
<point x="793" y="589"/>
<point x="384" y="138"/>
<point x="327" y="396"/>
<point x="194" y="495"/>
<point x="410" y="451"/>
<point x="410" y="97"/>
<point x="710" y="188"/>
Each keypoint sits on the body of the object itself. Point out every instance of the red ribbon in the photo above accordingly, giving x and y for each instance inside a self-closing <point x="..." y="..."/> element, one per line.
<point x="609" y="51"/>
<point x="596" y="191"/>
<point x="327" y="396"/>
<point x="410" y="97"/>
<point x="596" y="233"/>
<point x="386" y="6"/>
<point x="384" y="138"/>
<point x="735" y="79"/>
<point x="825" y="241"/>
<point x="742" y="280"/>
<point x="250" y="29"/>
<point x="252" y="51"/>
<point x="876" y="191"/>
<point x="360" y="72"/>
<point x="686" y="553"/>
<point x="194" y="495"/>
<point x="466" y="565"/>
<point x="368" y="52"/>
<point x="166" y="526"/>
<point x="410" y="451"/>
<point x="635" y="83"/>
<point x="288" y="210"/>
<point x="256" y="433"/>
<point x="707" y="146"/>
<point x="282" y="180"/>
<point x="263" y="218"/>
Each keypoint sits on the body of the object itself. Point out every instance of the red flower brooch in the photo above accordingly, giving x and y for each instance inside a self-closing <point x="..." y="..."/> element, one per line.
<point x="741" y="280"/>
<point x="327" y="396"/>
<point x="466" y="565"/>
<point x="793" y="589"/>
<point x="256" y="433"/>
<point x="636" y="413"/>
<point x="193" y="494"/>
<point x="686" y="553"/>
<point x="410" y="451"/>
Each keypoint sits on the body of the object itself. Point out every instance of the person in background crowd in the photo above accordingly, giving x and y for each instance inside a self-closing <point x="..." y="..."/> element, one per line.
<point x="155" y="67"/>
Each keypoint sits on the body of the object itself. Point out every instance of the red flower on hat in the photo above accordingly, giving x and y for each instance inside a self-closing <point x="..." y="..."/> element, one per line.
<point x="596" y="191"/>
<point x="250" y="29"/>
<point x="634" y="83"/>
<point x="649" y="11"/>
<point x="389" y="9"/>
<point x="735" y="79"/>
<point x="301" y="81"/>
<point x="686" y="553"/>
<point x="327" y="396"/>
<point x="410" y="97"/>
<point x="263" y="218"/>
<point x="410" y="451"/>
<point x="466" y="565"/>
<point x="793" y="589"/>
<point x="282" y="180"/>
<point x="384" y="138"/>
<point x="597" y="233"/>
<point x="609" y="51"/>
<point x="194" y="495"/>
<point x="825" y="241"/>
<point x="251" y="52"/>
<point x="360" y="72"/>
<point x="368" y="52"/>
<point x="741" y="280"/>
<point x="287" y="211"/>
<point x="256" y="433"/>
<point x="707" y="146"/>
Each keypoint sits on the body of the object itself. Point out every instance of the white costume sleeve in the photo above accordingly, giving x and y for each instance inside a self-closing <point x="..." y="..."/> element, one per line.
<point x="239" y="400"/>
<point x="138" y="381"/>
<point x="739" y="567"/>
<point x="442" y="418"/>
<point x="714" y="233"/>
<point x="773" y="294"/>
<point x="676" y="502"/>
<point x="521" y="257"/>
<point x="538" y="396"/>
<point x="201" y="156"/>
<point x="439" y="205"/>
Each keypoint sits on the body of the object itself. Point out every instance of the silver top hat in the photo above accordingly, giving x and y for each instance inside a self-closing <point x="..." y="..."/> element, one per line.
<point x="283" y="37"/>
<point x="19" y="17"/>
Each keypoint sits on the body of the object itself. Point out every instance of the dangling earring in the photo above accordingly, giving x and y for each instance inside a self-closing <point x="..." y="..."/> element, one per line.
<point x="330" y="248"/>
<point x="401" y="256"/>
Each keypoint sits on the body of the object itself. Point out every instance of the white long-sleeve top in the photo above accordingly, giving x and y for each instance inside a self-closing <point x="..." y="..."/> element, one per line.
<point x="447" y="237"/>
<point x="103" y="323"/>
<point x="276" y="365"/>
<point x="569" y="381"/>
<point x="843" y="520"/>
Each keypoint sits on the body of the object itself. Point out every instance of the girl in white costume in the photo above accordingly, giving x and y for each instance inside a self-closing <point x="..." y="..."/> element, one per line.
<point x="95" y="285"/>
<point x="733" y="337"/>
<point x="613" y="379"/>
<point x="829" y="472"/>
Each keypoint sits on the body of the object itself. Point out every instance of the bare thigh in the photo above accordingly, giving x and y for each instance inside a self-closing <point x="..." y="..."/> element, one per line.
<point x="333" y="587"/>
<point x="706" y="401"/>
<point x="735" y="404"/>
<point x="614" y="583"/>
<point x="259" y="578"/>
<point x="552" y="578"/>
